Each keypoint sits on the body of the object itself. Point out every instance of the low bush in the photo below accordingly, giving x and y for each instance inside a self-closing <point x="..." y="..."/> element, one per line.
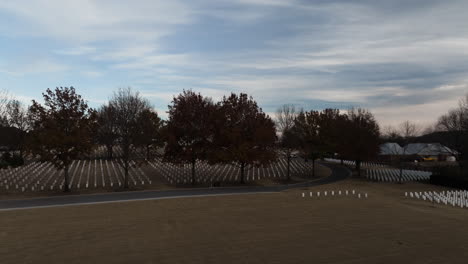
<point x="451" y="176"/>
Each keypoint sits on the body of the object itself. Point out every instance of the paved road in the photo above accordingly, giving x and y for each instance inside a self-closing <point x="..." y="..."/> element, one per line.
<point x="338" y="173"/>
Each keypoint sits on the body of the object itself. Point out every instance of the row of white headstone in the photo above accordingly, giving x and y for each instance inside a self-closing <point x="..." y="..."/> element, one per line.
<point x="319" y="194"/>
<point x="99" y="173"/>
<point x="206" y="173"/>
<point x="83" y="174"/>
<point x="393" y="175"/>
<point x="457" y="198"/>
<point x="353" y="163"/>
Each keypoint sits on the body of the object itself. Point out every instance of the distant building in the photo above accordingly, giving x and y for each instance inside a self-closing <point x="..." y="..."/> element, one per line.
<point x="417" y="151"/>
<point x="391" y="149"/>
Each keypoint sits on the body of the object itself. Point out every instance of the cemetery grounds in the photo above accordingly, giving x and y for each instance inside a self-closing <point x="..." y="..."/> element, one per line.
<point x="98" y="174"/>
<point x="284" y="227"/>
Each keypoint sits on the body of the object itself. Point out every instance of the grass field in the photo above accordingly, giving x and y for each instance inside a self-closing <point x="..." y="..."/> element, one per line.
<point x="254" y="228"/>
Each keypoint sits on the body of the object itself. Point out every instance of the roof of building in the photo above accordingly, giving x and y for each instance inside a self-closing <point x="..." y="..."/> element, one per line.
<point x="391" y="149"/>
<point x="422" y="149"/>
<point x="427" y="149"/>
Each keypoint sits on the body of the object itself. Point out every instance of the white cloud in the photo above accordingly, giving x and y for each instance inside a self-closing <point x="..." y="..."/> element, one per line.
<point x="81" y="50"/>
<point x="92" y="74"/>
<point x="328" y="51"/>
<point x="127" y="52"/>
<point x="34" y="67"/>
<point x="88" y="21"/>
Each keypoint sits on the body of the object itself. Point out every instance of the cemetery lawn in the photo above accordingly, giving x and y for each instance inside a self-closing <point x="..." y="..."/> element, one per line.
<point x="253" y="228"/>
<point x="158" y="183"/>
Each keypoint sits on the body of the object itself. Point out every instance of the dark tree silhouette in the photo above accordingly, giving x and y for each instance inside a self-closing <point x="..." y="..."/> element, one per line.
<point x="307" y="130"/>
<point x="128" y="107"/>
<point x="17" y="117"/>
<point x="149" y="131"/>
<point x="455" y="122"/>
<point x="245" y="136"/>
<point x="361" y="137"/>
<point x="189" y="130"/>
<point x="61" y="129"/>
<point x="288" y="142"/>
<point x="106" y="133"/>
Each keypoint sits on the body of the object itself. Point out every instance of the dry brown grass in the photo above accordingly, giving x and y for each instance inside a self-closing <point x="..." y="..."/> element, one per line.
<point x="255" y="228"/>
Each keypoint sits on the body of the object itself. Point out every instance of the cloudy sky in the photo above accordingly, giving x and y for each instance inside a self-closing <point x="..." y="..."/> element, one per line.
<point x="402" y="59"/>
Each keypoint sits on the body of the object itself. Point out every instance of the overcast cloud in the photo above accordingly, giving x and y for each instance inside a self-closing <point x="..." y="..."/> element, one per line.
<point x="401" y="59"/>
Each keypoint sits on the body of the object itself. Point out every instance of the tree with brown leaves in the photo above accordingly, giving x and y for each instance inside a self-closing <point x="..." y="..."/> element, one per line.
<point x="149" y="134"/>
<point x="189" y="130"/>
<point x="245" y="136"/>
<point x="361" y="137"/>
<point x="61" y="128"/>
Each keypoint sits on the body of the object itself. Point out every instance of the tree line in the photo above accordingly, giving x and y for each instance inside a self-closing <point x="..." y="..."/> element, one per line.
<point x="233" y="131"/>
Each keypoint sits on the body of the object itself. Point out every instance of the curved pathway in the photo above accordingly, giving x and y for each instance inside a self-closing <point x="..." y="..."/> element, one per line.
<point x="338" y="173"/>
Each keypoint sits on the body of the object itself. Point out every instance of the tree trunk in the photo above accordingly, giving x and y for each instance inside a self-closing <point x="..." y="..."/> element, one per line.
<point x="358" y="167"/>
<point x="342" y="162"/>
<point x="193" y="171"/>
<point x="313" y="168"/>
<point x="242" y="173"/>
<point x="401" y="172"/>
<point x="110" y="151"/>
<point x="65" y="175"/>
<point x="126" y="165"/>
<point x="288" y="168"/>
<point x="148" y="152"/>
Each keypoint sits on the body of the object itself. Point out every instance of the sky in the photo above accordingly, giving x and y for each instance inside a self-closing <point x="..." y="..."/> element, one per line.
<point x="401" y="59"/>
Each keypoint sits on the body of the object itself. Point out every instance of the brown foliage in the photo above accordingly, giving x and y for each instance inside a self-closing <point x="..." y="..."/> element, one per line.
<point x="189" y="130"/>
<point x="244" y="134"/>
<point x="61" y="128"/>
<point x="360" y="136"/>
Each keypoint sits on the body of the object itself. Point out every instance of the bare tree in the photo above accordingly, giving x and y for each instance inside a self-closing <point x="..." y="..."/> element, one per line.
<point x="285" y="117"/>
<point x="128" y="107"/>
<point x="4" y="99"/>
<point x="17" y="116"/>
<point x="409" y="129"/>
<point x="455" y="122"/>
<point x="107" y="128"/>
<point x="390" y="133"/>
